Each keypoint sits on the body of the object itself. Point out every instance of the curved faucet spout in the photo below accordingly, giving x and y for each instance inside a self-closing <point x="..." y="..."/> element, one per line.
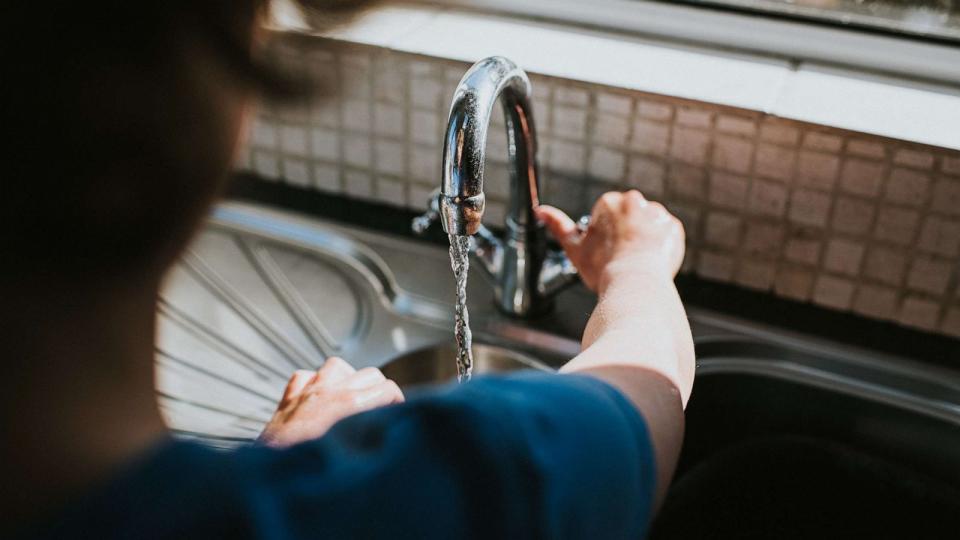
<point x="464" y="147"/>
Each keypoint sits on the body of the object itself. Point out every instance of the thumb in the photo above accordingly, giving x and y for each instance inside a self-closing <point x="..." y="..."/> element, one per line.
<point x="560" y="226"/>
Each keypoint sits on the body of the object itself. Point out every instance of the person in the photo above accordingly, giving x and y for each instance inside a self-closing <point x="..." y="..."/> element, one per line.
<point x="123" y="121"/>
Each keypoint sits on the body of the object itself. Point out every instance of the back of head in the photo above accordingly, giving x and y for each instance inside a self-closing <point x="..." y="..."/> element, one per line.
<point x="122" y="120"/>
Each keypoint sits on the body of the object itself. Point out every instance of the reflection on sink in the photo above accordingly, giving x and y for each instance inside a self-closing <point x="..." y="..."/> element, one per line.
<point x="436" y="364"/>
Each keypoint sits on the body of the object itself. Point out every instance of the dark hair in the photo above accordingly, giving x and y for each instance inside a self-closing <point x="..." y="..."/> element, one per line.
<point x="121" y="120"/>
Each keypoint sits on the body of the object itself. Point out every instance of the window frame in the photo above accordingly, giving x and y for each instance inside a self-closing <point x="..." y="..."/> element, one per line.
<point x="757" y="34"/>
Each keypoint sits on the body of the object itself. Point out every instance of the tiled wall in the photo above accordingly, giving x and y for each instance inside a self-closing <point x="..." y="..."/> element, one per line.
<point x="842" y="220"/>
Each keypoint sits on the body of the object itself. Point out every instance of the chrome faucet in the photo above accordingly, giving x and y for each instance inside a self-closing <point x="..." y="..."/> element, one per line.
<point x="525" y="272"/>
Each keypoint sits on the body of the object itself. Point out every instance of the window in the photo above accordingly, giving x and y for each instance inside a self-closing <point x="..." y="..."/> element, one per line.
<point x="938" y="19"/>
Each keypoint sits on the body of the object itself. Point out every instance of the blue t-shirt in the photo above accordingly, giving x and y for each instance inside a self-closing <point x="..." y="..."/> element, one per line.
<point x="528" y="455"/>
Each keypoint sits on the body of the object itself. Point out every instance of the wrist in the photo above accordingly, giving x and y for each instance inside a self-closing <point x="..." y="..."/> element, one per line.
<point x="631" y="268"/>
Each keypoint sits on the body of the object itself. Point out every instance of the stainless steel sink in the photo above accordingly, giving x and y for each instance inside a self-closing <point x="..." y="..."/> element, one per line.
<point x="263" y="292"/>
<point x="432" y="365"/>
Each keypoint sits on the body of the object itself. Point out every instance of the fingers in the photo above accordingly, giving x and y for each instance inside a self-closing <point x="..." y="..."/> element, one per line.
<point x="334" y="371"/>
<point x="559" y="224"/>
<point x="365" y="378"/>
<point x="634" y="200"/>
<point x="298" y="381"/>
<point x="380" y="395"/>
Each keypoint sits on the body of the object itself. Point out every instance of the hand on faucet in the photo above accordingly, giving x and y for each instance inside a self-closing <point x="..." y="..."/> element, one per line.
<point x="626" y="233"/>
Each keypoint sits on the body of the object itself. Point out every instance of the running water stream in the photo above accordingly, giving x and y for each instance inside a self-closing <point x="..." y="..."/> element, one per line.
<point x="460" y="261"/>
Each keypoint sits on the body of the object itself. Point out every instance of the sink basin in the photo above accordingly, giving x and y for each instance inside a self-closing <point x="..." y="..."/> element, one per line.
<point x="433" y="365"/>
<point x="781" y="443"/>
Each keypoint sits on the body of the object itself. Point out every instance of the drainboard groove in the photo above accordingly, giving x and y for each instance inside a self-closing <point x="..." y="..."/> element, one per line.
<point x="229" y="296"/>
<point x="217" y="341"/>
<point x="273" y="275"/>
<point x="216" y="376"/>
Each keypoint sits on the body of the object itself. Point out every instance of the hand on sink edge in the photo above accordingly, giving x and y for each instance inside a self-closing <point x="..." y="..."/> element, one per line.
<point x="314" y="401"/>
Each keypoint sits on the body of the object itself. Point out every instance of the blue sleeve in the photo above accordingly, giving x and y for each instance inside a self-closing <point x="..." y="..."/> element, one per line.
<point x="525" y="456"/>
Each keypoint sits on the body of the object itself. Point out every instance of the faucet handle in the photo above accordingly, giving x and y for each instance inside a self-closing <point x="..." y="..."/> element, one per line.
<point x="556" y="274"/>
<point x="421" y="223"/>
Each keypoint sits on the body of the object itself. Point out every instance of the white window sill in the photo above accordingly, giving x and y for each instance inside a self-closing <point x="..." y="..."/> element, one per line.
<point x="897" y="108"/>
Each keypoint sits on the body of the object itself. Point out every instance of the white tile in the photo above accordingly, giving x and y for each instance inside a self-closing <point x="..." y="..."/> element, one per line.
<point x="326" y="113"/>
<point x="722" y="229"/>
<point x="700" y="118"/>
<point x="687" y="181"/>
<point x="296" y="172"/>
<point x="265" y="164"/>
<point x="570" y="123"/>
<point x="567" y="157"/>
<point x="728" y="190"/>
<point x="753" y="274"/>
<point x="389" y="157"/>
<point x="940" y="236"/>
<point x="920" y="159"/>
<point x="391" y="191"/>
<point x="419" y="196"/>
<point x="611" y="130"/>
<point x="425" y="164"/>
<point x="690" y="145"/>
<point x="886" y="265"/>
<point x="795" y="283"/>
<point x="817" y="169"/>
<point x="929" y="275"/>
<point x="425" y="127"/>
<point x="716" y="266"/>
<point x="833" y="292"/>
<point x="571" y="95"/>
<point x="950" y="165"/>
<point x="809" y="208"/>
<point x="896" y="225"/>
<point x="326" y="144"/>
<point x="763" y="239"/>
<point x="654" y="110"/>
<point x="907" y="186"/>
<point x="767" y="198"/>
<point x="293" y="140"/>
<point x="868" y="148"/>
<point x="425" y="92"/>
<point x="647" y="175"/>
<point x="616" y="104"/>
<point x="732" y="154"/>
<point x="843" y="257"/>
<point x="803" y="250"/>
<point x="326" y="177"/>
<point x="775" y="162"/>
<point x="825" y="142"/>
<point x="357" y="150"/>
<point x="356" y="115"/>
<point x="737" y="125"/>
<point x="779" y="132"/>
<point x="650" y="137"/>
<point x="951" y="322"/>
<point x="919" y="312"/>
<point x="389" y="120"/>
<point x="607" y="164"/>
<point x="876" y="301"/>
<point x="358" y="184"/>
<point x="852" y="215"/>
<point x="263" y="134"/>
<point x="946" y="197"/>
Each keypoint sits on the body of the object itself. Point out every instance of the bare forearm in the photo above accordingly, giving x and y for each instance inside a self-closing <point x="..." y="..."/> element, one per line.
<point x="639" y="321"/>
<point x="638" y="340"/>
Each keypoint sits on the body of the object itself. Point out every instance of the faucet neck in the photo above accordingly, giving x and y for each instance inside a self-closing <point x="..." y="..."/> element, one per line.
<point x="464" y="151"/>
